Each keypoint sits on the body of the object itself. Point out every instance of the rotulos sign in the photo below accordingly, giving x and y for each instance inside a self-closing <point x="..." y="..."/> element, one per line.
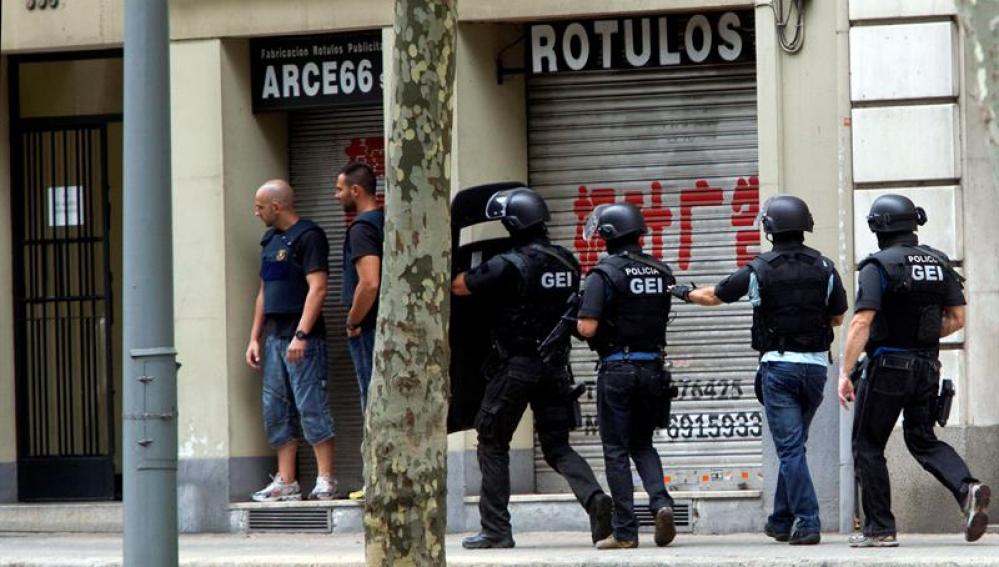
<point x="641" y="42"/>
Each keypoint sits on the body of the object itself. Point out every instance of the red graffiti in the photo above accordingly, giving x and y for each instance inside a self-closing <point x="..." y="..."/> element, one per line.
<point x="658" y="217"/>
<point x="589" y="251"/>
<point x="743" y="200"/>
<point x="370" y="151"/>
<point x="702" y="195"/>
<point x="745" y="207"/>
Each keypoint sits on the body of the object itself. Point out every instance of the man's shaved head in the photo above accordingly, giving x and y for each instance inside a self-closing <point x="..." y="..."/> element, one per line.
<point x="274" y="204"/>
<point x="278" y="191"/>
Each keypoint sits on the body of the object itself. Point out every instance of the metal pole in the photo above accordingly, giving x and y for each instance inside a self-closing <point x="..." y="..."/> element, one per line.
<point x="150" y="370"/>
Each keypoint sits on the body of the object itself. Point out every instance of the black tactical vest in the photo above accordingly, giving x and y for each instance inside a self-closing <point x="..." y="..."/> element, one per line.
<point x="635" y="319"/>
<point x="549" y="274"/>
<point x="792" y="315"/>
<point x="912" y="299"/>
<point x="285" y="286"/>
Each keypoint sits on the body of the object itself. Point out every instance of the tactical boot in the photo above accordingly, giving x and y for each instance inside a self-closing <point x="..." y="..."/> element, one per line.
<point x="482" y="541"/>
<point x="771" y="531"/>
<point x="976" y="507"/>
<point x="810" y="538"/>
<point x="612" y="542"/>
<point x="665" y="530"/>
<point x="861" y="540"/>
<point x="600" y="509"/>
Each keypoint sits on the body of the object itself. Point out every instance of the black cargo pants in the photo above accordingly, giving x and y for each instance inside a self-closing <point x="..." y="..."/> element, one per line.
<point x="631" y="401"/>
<point x="904" y="383"/>
<point x="511" y="386"/>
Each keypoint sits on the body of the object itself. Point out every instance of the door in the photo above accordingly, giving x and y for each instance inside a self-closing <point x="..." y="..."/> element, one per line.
<point x="320" y="143"/>
<point x="64" y="316"/>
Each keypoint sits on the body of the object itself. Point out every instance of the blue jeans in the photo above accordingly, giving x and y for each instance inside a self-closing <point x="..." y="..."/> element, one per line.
<point x="362" y="351"/>
<point x="792" y="393"/>
<point x="295" y="399"/>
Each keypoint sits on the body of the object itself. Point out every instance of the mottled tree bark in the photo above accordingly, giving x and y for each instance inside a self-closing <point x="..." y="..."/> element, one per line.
<point x="980" y="20"/>
<point x="405" y="447"/>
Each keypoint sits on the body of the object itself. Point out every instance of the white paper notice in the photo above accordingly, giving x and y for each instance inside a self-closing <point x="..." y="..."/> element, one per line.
<point x="65" y="206"/>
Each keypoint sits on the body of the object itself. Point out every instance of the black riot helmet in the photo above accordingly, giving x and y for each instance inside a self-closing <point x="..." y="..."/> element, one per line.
<point x="785" y="213"/>
<point x="615" y="221"/>
<point x="518" y="209"/>
<point x="895" y="213"/>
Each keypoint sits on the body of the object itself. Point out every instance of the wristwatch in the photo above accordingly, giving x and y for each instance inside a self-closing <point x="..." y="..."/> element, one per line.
<point x="353" y="327"/>
<point x="301" y="335"/>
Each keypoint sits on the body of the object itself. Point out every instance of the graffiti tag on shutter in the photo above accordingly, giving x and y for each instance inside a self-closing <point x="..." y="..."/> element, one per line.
<point x="743" y="199"/>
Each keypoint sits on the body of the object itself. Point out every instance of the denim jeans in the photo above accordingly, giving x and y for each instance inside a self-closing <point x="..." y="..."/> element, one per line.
<point x="792" y="392"/>
<point x="629" y="397"/>
<point x="294" y="394"/>
<point x="362" y="351"/>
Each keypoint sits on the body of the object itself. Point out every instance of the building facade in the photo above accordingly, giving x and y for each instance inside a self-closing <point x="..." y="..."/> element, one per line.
<point x="689" y="108"/>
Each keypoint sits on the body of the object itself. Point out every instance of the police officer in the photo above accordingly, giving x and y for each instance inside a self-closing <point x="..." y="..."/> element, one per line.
<point x="530" y="283"/>
<point x="623" y="316"/>
<point x="797" y="299"/>
<point x="908" y="297"/>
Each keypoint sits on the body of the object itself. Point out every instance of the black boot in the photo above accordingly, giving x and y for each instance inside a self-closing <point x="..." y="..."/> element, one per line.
<point x="482" y="541"/>
<point x="600" y="510"/>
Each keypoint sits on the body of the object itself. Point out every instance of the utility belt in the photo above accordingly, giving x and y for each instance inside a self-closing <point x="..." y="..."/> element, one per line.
<point x="626" y="356"/>
<point x="901" y="362"/>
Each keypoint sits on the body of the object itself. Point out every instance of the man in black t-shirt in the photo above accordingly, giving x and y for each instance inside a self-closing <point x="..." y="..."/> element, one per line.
<point x="362" y="267"/>
<point x="288" y="342"/>
<point x="908" y="298"/>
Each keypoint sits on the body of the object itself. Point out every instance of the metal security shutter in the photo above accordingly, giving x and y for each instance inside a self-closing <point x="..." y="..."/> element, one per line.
<point x="320" y="143"/>
<point x="682" y="144"/>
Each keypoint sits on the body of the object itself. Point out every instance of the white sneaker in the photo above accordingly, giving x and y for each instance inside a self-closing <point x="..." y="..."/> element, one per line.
<point x="278" y="491"/>
<point x="325" y="488"/>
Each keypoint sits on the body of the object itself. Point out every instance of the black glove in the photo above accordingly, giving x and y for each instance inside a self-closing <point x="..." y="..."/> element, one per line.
<point x="682" y="291"/>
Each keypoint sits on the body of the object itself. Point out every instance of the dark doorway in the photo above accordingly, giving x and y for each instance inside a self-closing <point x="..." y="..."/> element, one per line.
<point x="64" y="309"/>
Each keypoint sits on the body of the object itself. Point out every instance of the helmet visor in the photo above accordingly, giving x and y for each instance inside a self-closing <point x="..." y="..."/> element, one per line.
<point x="496" y="207"/>
<point x="763" y="211"/>
<point x="593" y="222"/>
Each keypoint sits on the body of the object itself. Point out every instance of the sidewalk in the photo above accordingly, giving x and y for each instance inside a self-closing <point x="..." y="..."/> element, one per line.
<point x="561" y="549"/>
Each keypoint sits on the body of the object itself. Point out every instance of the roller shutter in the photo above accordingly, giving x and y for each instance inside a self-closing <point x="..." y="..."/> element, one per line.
<point x="320" y="143"/>
<point x="682" y="144"/>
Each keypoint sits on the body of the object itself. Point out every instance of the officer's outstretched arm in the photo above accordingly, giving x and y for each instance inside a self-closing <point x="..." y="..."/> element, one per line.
<point x="953" y="320"/>
<point x="587" y="327"/>
<point x="705" y="296"/>
<point x="459" y="287"/>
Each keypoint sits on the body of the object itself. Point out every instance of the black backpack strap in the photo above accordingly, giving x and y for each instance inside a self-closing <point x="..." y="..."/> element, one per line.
<point x="550" y="252"/>
<point x="610" y="272"/>
<point x="520" y="263"/>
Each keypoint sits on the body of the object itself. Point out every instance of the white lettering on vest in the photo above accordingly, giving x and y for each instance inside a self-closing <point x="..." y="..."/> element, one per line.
<point x="927" y="273"/>
<point x="558" y="280"/>
<point x="646" y="286"/>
